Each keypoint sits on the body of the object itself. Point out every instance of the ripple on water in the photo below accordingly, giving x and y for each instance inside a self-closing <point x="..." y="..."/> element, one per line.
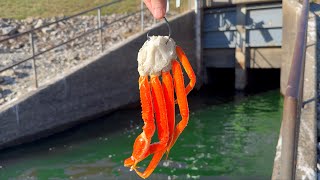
<point x="231" y="139"/>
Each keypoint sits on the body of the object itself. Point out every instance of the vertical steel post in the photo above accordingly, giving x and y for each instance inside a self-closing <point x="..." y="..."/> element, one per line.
<point x="201" y="71"/>
<point x="33" y="60"/>
<point x="100" y="29"/>
<point x="142" y="15"/>
<point x="294" y="90"/>
<point x="240" y="50"/>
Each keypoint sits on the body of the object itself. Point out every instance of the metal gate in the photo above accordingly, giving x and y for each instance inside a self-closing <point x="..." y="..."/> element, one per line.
<point x="262" y="26"/>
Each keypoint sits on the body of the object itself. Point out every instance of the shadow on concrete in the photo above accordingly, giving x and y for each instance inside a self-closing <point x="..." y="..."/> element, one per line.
<point x="253" y="58"/>
<point x="222" y="32"/>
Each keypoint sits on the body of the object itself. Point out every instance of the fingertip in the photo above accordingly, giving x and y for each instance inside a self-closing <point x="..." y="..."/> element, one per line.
<point x="159" y="13"/>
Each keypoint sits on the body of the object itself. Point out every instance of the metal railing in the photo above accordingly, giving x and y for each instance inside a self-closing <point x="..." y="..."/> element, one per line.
<point x="293" y="100"/>
<point x="99" y="28"/>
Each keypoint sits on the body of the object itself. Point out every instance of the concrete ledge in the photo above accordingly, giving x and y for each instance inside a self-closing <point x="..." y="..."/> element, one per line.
<point x="306" y="167"/>
<point x="307" y="137"/>
<point x="101" y="85"/>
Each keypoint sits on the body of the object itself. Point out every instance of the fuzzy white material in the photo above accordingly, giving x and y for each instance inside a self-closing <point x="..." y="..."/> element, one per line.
<point x="156" y="55"/>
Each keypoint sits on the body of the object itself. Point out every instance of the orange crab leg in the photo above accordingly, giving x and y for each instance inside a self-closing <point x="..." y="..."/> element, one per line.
<point x="152" y="165"/>
<point x="181" y="94"/>
<point x="168" y="90"/>
<point x="187" y="67"/>
<point x="161" y="115"/>
<point x="142" y="142"/>
<point x="160" y="108"/>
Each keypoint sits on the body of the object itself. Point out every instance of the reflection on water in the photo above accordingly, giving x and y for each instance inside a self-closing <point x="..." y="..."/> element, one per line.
<point x="227" y="138"/>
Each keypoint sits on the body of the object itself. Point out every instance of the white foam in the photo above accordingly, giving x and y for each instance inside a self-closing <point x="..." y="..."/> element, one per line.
<point x="156" y="55"/>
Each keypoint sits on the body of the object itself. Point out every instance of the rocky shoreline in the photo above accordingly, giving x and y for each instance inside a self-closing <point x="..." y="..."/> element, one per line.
<point x="20" y="79"/>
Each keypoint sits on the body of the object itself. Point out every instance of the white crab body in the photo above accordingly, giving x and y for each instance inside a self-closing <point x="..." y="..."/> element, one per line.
<point x="156" y="55"/>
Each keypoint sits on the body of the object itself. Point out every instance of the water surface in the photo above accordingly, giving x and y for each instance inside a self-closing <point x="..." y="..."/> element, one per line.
<point x="228" y="137"/>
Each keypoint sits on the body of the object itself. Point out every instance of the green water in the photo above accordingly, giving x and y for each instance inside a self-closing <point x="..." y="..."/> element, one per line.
<point x="230" y="137"/>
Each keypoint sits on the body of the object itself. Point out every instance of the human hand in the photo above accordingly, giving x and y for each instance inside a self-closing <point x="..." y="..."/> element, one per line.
<point x="157" y="7"/>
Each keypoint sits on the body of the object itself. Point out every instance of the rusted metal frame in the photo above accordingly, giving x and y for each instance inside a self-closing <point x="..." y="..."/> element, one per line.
<point x="33" y="60"/>
<point x="42" y="52"/>
<point x="293" y="100"/>
<point x="70" y="40"/>
<point x="34" y="55"/>
<point x="100" y="29"/>
<point x="141" y="15"/>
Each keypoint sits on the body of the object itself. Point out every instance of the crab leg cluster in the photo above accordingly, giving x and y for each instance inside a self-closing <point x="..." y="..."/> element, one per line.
<point x="158" y="88"/>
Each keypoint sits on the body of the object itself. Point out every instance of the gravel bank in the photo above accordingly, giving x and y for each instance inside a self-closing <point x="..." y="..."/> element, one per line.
<point x="19" y="80"/>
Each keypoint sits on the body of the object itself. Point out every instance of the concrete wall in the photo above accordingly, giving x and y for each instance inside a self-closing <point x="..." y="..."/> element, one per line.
<point x="103" y="84"/>
<point x="264" y="57"/>
<point x="256" y="58"/>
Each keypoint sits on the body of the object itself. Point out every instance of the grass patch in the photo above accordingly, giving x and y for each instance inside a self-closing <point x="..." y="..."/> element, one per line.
<point x="21" y="9"/>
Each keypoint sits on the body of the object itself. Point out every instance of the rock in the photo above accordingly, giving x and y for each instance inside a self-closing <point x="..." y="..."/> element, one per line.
<point x="44" y="39"/>
<point x="18" y="45"/>
<point x="8" y="80"/>
<point x="53" y="26"/>
<point x="82" y="56"/>
<point x="58" y="36"/>
<point x="39" y="23"/>
<point x="1" y="81"/>
<point x="3" y="24"/>
<point x="46" y="30"/>
<point x="24" y="28"/>
<point x="11" y="41"/>
<point x="59" y="49"/>
<point x="53" y="19"/>
<point x="10" y="30"/>
<point x="73" y="55"/>
<point x="61" y="24"/>
<point x="29" y="20"/>
<point x="53" y="33"/>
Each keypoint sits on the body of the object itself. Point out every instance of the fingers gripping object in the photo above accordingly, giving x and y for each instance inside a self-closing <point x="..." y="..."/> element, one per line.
<point x="161" y="78"/>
